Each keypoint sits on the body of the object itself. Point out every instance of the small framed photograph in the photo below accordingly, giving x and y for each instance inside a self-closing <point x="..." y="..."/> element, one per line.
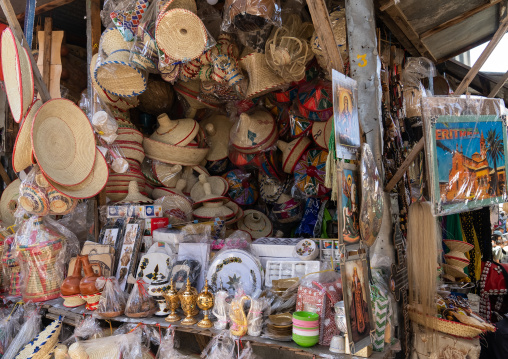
<point x="128" y="255"/>
<point x="357" y="304"/>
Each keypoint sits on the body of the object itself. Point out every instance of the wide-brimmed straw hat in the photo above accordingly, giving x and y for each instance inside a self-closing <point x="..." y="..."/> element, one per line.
<point x="262" y="79"/>
<point x="292" y="152"/>
<point x="177" y="155"/>
<point x="18" y="75"/>
<point x="175" y="132"/>
<point x="63" y="142"/>
<point x="22" y="151"/>
<point x="181" y="35"/>
<point x="120" y="77"/>
<point x="9" y="202"/>
<point x="92" y="185"/>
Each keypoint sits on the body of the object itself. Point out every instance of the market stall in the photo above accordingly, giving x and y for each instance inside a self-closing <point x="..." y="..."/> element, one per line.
<point x="223" y="175"/>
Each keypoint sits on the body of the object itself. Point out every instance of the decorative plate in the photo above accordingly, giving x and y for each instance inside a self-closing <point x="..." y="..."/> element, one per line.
<point x="235" y="267"/>
<point x="154" y="267"/>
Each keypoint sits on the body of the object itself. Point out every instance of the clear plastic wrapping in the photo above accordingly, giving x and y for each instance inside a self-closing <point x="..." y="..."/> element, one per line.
<point x="43" y="247"/>
<point x="140" y="304"/>
<point x="183" y="269"/>
<point x="167" y="348"/>
<point x="415" y="70"/>
<point x="87" y="328"/>
<point x="372" y="202"/>
<point x="9" y="325"/>
<point x="222" y="346"/>
<point x="112" y="301"/>
<point x="29" y="330"/>
<point x="250" y="15"/>
<point x="465" y="146"/>
<point x="128" y="346"/>
<point x="144" y="51"/>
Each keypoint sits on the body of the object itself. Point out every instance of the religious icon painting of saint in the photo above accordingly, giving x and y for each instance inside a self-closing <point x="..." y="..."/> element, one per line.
<point x="348" y="208"/>
<point x="357" y="301"/>
<point x="345" y="111"/>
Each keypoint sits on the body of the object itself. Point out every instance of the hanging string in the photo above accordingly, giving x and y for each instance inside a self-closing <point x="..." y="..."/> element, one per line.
<point x="13" y="308"/>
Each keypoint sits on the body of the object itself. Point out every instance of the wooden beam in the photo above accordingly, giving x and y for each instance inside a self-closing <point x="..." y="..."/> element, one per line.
<point x="503" y="27"/>
<point x="500" y="84"/>
<point x="399" y="34"/>
<point x="405" y="165"/>
<point x="46" y="61"/>
<point x="4" y="175"/>
<point x="16" y="29"/>
<point x="394" y="12"/>
<point x="95" y="11"/>
<point x="323" y="26"/>
<point x="46" y="7"/>
<point x="458" y="19"/>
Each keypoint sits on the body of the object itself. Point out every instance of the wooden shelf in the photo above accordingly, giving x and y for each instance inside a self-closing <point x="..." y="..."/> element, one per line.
<point x="73" y="315"/>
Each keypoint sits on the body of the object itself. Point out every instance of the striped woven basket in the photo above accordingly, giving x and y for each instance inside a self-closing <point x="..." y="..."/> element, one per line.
<point x="445" y="326"/>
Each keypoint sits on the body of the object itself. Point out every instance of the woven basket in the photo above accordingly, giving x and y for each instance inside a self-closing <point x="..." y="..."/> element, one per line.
<point x="92" y="300"/>
<point x="445" y="326"/>
<point x="73" y="301"/>
<point x="177" y="155"/>
<point x="129" y="135"/>
<point x="181" y="35"/>
<point x="133" y="153"/>
<point x="118" y="76"/>
<point x="261" y="77"/>
<point x="44" y="344"/>
<point x="112" y="40"/>
<point x="180" y="4"/>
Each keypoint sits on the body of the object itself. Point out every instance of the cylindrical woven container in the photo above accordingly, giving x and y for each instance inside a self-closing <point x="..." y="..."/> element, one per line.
<point x="175" y="132"/>
<point x="118" y="76"/>
<point x="445" y="326"/>
<point x="181" y="35"/>
<point x="44" y="278"/>
<point x="129" y="135"/>
<point x="133" y="152"/>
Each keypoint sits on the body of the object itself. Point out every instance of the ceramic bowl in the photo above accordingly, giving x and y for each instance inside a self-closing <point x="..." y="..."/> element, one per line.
<point x="307" y="250"/>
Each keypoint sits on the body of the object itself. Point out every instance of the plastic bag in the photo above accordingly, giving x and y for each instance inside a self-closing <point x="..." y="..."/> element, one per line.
<point x="221" y="309"/>
<point x="183" y="269"/>
<point x="112" y="302"/>
<point x="105" y="126"/>
<point x="372" y="205"/>
<point x="255" y="316"/>
<point x="167" y="347"/>
<point x="9" y="326"/>
<point x="126" y="346"/>
<point x="140" y="304"/>
<point x="144" y="52"/>
<point x="44" y="247"/>
<point x="222" y="346"/>
<point x="87" y="328"/>
<point x="248" y="352"/>
<point x="29" y="330"/>
<point x="11" y="267"/>
<point x="464" y="135"/>
<point x="250" y="15"/>
<point x="39" y="198"/>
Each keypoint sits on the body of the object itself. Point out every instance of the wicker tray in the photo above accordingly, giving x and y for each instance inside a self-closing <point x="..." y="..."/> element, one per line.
<point x="446" y="326"/>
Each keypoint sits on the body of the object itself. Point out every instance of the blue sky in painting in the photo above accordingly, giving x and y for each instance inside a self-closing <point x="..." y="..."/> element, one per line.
<point x="470" y="145"/>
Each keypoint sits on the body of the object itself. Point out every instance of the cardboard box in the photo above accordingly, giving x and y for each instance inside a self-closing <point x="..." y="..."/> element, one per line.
<point x="135" y="210"/>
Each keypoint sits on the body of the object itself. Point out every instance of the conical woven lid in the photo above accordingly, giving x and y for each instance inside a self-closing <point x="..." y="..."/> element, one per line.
<point x="133" y="196"/>
<point x="175" y="132"/>
<point x="256" y="223"/>
<point x="217" y="130"/>
<point x="252" y="130"/>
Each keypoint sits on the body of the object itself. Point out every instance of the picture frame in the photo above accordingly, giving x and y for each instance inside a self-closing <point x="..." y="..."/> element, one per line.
<point x="127" y="256"/>
<point x="357" y="303"/>
<point x="348" y="204"/>
<point x="466" y="147"/>
<point x="345" y="116"/>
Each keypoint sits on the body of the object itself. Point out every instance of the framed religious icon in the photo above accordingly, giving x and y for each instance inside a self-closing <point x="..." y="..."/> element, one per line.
<point x="465" y="143"/>
<point x="128" y="255"/>
<point x="345" y="115"/>
<point x="357" y="304"/>
<point x="348" y="205"/>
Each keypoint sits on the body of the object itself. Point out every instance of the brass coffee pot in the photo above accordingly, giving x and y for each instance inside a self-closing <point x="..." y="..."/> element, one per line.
<point x="173" y="301"/>
<point x="205" y="303"/>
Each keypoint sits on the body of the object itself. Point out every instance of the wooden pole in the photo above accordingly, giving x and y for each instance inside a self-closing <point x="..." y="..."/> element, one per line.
<point x="46" y="61"/>
<point x="16" y="29"/>
<point x="503" y="27"/>
<point x="405" y="165"/>
<point x="324" y="31"/>
<point x="498" y="86"/>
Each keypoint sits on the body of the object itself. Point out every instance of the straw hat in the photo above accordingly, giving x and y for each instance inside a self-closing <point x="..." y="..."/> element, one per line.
<point x="9" y="202"/>
<point x="181" y="35"/>
<point x="18" y="75"/>
<point x="454" y="271"/>
<point x="63" y="142"/>
<point x="92" y="185"/>
<point x="456" y="261"/>
<point x="211" y="210"/>
<point x="219" y="187"/>
<point x="256" y="223"/>
<point x="321" y="132"/>
<point x="178" y="155"/>
<point x="292" y="152"/>
<point x="22" y="151"/>
<point x="217" y="128"/>
<point x="167" y="174"/>
<point x="175" y="132"/>
<point x="237" y="210"/>
<point x="181" y="4"/>
<point x="261" y="77"/>
<point x="118" y="76"/>
<point x="254" y="132"/>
